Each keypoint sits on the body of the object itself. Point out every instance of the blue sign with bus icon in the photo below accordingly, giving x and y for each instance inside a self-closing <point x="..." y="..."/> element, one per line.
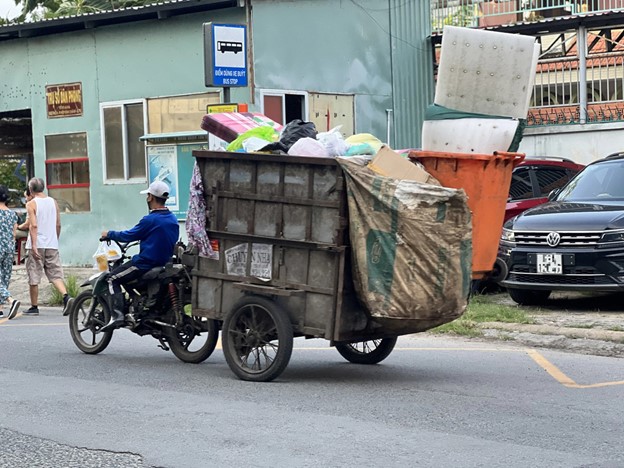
<point x="229" y="54"/>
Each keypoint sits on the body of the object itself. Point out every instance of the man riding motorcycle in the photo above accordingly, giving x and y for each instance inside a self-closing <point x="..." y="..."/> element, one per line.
<point x="157" y="232"/>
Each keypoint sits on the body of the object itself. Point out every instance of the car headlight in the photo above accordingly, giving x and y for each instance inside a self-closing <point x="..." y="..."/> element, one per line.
<point x="508" y="236"/>
<point x="613" y="236"/>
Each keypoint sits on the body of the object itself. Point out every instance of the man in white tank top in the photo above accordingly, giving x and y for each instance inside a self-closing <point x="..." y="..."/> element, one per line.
<point x="42" y="244"/>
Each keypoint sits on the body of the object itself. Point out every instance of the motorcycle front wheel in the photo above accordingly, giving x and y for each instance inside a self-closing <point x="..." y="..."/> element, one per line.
<point x="84" y="328"/>
<point x="194" y="340"/>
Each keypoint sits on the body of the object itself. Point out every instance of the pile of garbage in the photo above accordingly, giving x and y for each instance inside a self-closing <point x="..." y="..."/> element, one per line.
<point x="254" y="132"/>
<point x="410" y="237"/>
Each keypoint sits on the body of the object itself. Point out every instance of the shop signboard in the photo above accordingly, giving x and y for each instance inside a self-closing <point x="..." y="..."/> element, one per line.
<point x="64" y="100"/>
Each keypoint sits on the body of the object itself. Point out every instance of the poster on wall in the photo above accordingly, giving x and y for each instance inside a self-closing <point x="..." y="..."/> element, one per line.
<point x="162" y="164"/>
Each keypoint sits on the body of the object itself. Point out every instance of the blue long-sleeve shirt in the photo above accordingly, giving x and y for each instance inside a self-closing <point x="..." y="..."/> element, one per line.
<point x="157" y="232"/>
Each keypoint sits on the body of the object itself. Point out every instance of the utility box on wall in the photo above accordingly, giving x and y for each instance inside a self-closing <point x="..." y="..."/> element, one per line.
<point x="330" y="110"/>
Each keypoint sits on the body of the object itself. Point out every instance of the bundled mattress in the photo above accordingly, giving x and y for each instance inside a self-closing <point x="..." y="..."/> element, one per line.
<point x="229" y="125"/>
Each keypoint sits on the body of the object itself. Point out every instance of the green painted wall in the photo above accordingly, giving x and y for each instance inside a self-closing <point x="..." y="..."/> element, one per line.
<point x="374" y="49"/>
<point x="132" y="61"/>
<point x="328" y="46"/>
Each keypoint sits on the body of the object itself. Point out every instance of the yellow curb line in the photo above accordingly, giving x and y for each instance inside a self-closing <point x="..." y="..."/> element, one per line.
<point x="560" y="377"/>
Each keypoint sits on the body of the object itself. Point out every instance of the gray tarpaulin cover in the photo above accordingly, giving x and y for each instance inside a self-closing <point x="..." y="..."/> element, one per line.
<point x="412" y="249"/>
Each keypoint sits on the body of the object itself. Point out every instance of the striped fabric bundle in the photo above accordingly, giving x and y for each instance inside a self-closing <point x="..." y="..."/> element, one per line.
<point x="229" y="125"/>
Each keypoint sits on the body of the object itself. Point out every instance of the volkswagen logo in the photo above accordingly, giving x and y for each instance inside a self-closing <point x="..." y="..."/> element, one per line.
<point x="553" y="239"/>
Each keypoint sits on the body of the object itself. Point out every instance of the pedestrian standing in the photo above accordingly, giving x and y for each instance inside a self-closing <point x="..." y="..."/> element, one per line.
<point x="22" y="229"/>
<point x="44" y="221"/>
<point x="8" y="226"/>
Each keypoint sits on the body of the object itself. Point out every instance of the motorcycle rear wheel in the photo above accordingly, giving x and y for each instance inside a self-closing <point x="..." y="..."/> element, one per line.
<point x="187" y="345"/>
<point x="85" y="332"/>
<point x="367" y="352"/>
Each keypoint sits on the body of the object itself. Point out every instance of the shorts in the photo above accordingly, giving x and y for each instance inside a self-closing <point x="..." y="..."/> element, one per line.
<point x="49" y="263"/>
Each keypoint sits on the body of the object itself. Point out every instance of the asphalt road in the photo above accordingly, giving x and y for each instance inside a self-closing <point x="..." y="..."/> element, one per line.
<point x="434" y="402"/>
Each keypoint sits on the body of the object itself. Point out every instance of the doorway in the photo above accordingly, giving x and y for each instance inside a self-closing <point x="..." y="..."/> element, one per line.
<point x="16" y="149"/>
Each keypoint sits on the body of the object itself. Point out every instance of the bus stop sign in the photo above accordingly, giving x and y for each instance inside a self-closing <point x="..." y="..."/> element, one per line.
<point x="225" y="54"/>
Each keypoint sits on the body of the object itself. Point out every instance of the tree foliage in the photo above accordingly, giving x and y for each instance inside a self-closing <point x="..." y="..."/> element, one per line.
<point x="34" y="10"/>
<point x="11" y="176"/>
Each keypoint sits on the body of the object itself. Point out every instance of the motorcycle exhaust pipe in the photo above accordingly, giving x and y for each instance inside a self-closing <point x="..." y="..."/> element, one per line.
<point x="162" y="324"/>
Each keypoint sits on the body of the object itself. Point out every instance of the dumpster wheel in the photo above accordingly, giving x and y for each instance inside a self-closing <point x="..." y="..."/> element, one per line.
<point x="257" y="339"/>
<point x="367" y="352"/>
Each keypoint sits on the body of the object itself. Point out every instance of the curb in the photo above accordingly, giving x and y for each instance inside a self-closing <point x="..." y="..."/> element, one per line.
<point x="568" y="332"/>
<point x="576" y="340"/>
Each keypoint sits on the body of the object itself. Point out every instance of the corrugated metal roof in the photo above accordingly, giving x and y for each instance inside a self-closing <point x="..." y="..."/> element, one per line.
<point x="559" y="23"/>
<point x="68" y="23"/>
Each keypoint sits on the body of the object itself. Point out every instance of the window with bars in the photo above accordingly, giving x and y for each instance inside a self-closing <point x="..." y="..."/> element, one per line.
<point x="124" y="152"/>
<point x="521" y="187"/>
<point x="550" y="179"/>
<point x="67" y="171"/>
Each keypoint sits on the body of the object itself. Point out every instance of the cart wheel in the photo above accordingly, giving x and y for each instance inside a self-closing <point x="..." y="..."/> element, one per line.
<point x="367" y="352"/>
<point x="257" y="339"/>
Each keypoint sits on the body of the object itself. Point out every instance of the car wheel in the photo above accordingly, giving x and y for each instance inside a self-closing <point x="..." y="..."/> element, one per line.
<point x="529" y="296"/>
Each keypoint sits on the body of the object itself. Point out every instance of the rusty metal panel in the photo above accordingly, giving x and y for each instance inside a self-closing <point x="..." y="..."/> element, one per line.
<point x="256" y="202"/>
<point x="266" y="218"/>
<point x="296" y="181"/>
<point x="295" y="266"/>
<point x="278" y="196"/>
<point x="322" y="271"/>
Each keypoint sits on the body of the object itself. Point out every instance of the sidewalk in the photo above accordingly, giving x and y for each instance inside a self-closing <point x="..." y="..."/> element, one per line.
<point x="19" y="285"/>
<point x="580" y="324"/>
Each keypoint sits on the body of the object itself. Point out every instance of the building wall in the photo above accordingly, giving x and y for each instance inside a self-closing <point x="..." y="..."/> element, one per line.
<point x="132" y="61"/>
<point x="412" y="69"/>
<point x="364" y="48"/>
<point x="581" y="143"/>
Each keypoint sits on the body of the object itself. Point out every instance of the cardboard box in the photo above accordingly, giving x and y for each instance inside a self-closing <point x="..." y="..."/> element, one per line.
<point x="389" y="163"/>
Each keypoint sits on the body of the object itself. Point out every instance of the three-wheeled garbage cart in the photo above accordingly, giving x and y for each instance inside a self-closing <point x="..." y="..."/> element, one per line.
<point x="281" y="229"/>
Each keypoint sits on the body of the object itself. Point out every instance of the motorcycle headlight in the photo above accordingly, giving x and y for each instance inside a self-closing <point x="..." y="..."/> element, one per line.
<point x="508" y="236"/>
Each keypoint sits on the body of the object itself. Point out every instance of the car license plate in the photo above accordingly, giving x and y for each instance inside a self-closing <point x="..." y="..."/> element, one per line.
<point x="550" y="264"/>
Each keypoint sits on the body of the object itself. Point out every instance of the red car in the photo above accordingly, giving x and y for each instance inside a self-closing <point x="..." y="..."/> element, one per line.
<point x="534" y="178"/>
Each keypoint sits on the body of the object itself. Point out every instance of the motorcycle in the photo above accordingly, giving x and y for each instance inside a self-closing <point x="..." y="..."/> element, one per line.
<point x="156" y="304"/>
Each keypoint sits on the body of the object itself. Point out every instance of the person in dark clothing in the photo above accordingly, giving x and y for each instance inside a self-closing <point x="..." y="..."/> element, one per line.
<point x="157" y="232"/>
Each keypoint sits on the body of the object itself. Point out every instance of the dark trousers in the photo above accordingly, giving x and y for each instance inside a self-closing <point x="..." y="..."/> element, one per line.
<point x="121" y="275"/>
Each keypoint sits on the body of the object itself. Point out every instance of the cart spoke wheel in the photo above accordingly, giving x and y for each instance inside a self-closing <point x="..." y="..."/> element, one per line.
<point x="257" y="339"/>
<point x="367" y="352"/>
<point x="86" y="318"/>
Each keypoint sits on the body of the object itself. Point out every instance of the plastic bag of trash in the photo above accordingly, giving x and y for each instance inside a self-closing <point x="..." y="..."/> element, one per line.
<point x="266" y="133"/>
<point x="296" y="130"/>
<point x="364" y="139"/>
<point x="333" y="142"/>
<point x="308" y="147"/>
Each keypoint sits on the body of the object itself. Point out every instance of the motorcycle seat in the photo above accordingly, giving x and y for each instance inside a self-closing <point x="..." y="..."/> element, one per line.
<point x="151" y="274"/>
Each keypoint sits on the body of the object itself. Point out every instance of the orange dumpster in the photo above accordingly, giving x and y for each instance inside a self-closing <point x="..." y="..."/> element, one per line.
<point x="485" y="178"/>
